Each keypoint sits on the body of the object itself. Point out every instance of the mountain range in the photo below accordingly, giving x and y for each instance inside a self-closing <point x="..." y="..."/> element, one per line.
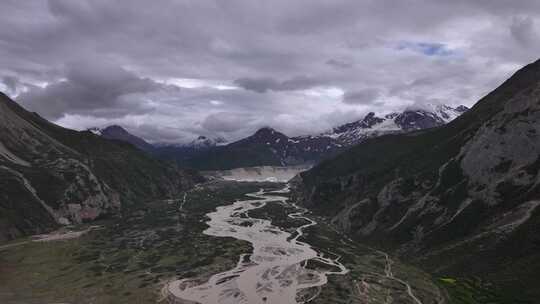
<point x="269" y="147"/>
<point x="454" y="190"/>
<point x="459" y="200"/>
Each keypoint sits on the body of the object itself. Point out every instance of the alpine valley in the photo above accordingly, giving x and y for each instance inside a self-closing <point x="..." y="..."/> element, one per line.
<point x="429" y="205"/>
<point x="270" y="152"/>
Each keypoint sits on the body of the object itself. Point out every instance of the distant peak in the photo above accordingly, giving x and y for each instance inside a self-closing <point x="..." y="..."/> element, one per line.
<point x="462" y="108"/>
<point x="267" y="133"/>
<point x="205" y="142"/>
<point x="266" y="130"/>
<point x="115" y="128"/>
<point x="220" y="140"/>
<point x="370" y="115"/>
<point x="119" y="133"/>
<point x="370" y="120"/>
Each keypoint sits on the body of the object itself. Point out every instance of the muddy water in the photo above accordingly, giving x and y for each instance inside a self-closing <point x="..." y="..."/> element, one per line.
<point x="274" y="272"/>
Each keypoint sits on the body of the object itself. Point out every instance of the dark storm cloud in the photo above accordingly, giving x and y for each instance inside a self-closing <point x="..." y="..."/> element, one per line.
<point x="364" y="97"/>
<point x="339" y="63"/>
<point x="226" y="122"/>
<point x="89" y="87"/>
<point x="523" y="30"/>
<point x="180" y="68"/>
<point x="261" y="85"/>
<point x="11" y="82"/>
<point x="157" y="133"/>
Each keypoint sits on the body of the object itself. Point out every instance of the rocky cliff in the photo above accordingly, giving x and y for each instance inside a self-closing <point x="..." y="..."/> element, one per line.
<point x="459" y="199"/>
<point x="51" y="176"/>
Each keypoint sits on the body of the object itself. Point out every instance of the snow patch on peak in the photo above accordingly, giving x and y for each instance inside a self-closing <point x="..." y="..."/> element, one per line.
<point x="444" y="112"/>
<point x="412" y="118"/>
<point x="96" y="131"/>
<point x="206" y="142"/>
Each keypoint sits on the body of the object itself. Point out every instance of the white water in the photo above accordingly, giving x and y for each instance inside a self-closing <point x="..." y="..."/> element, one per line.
<point x="275" y="271"/>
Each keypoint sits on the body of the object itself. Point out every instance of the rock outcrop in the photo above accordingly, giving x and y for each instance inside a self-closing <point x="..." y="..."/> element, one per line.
<point x="51" y="176"/>
<point x="461" y="199"/>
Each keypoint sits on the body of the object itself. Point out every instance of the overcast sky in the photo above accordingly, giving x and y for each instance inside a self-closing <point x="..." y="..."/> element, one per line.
<point x="172" y="70"/>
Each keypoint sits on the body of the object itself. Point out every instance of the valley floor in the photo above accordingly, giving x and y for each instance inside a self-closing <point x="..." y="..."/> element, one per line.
<point x="130" y="260"/>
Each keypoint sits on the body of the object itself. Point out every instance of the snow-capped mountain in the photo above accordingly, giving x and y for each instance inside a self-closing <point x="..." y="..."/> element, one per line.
<point x="203" y="142"/>
<point x="181" y="153"/>
<point x="462" y="198"/>
<point x="119" y="133"/>
<point x="409" y="120"/>
<point x="268" y="147"/>
<point x="96" y="131"/>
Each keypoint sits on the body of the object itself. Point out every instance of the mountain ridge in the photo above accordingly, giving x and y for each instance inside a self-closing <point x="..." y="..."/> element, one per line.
<point x="455" y="199"/>
<point x="117" y="132"/>
<point x="54" y="176"/>
<point x="273" y="148"/>
<point x="269" y="147"/>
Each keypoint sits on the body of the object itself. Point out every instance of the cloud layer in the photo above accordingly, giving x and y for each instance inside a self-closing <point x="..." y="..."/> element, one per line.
<point x="173" y="71"/>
